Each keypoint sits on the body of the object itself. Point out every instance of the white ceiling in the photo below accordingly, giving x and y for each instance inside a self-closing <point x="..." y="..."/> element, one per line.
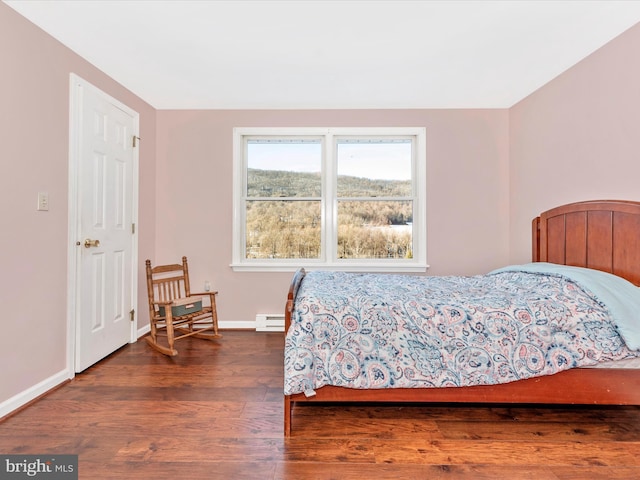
<point x="213" y="54"/>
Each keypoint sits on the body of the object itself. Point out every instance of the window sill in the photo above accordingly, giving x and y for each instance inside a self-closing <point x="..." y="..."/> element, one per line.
<point x="344" y="267"/>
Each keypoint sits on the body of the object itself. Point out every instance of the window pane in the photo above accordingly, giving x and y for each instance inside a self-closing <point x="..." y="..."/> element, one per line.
<point x="375" y="229"/>
<point x="283" y="229"/>
<point x="284" y="168"/>
<point x="374" y="168"/>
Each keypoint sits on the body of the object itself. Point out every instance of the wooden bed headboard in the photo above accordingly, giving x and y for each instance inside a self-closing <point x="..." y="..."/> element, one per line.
<point x="601" y="234"/>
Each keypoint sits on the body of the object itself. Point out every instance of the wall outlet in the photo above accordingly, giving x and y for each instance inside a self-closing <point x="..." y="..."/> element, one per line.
<point x="43" y="201"/>
<point x="207" y="286"/>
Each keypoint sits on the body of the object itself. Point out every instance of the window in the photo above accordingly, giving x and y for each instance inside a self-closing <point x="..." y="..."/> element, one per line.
<point x="343" y="198"/>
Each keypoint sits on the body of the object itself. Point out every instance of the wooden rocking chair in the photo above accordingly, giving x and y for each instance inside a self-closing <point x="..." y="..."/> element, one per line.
<point x="174" y="311"/>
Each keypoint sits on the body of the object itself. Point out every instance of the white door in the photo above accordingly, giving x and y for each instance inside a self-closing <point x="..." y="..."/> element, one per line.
<point x="104" y="244"/>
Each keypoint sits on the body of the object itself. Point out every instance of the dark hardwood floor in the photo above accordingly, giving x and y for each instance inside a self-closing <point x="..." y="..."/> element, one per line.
<point x="216" y="412"/>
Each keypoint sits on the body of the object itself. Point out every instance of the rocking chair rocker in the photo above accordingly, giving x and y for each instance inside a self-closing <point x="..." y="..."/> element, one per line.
<point x="174" y="311"/>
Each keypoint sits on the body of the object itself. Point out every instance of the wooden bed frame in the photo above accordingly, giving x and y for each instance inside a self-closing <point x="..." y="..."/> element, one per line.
<point x="596" y="234"/>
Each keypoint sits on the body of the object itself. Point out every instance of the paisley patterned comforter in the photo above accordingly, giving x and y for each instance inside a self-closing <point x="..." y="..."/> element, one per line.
<point x="397" y="331"/>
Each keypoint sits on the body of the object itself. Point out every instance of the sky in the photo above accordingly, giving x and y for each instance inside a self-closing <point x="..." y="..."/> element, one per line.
<point x="378" y="161"/>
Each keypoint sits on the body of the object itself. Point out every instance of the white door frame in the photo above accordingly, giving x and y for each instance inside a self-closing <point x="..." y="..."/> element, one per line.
<point x="77" y="84"/>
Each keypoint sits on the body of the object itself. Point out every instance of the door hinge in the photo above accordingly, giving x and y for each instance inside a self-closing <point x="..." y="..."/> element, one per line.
<point x="133" y="228"/>
<point x="135" y="141"/>
<point x="132" y="314"/>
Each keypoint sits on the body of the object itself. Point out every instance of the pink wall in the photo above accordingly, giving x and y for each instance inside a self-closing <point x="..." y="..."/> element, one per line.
<point x="577" y="138"/>
<point x="34" y="140"/>
<point x="489" y="173"/>
<point x="467" y="200"/>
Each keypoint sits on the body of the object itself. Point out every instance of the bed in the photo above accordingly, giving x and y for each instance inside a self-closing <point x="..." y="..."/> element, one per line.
<point x="584" y="238"/>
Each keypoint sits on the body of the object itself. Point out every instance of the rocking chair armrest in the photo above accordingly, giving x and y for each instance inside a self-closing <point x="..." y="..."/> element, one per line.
<point x="202" y="294"/>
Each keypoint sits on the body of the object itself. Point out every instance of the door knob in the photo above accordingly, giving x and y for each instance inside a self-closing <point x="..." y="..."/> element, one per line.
<point x="91" y="243"/>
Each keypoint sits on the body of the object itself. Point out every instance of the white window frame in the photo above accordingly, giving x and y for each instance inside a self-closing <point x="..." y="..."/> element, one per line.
<point x="329" y="202"/>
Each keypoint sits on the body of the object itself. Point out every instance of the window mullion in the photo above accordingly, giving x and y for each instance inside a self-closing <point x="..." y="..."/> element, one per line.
<point x="329" y="234"/>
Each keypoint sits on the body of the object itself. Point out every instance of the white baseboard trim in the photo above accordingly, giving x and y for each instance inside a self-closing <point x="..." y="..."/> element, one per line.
<point x="237" y="325"/>
<point x="143" y="331"/>
<point x="222" y="324"/>
<point x="33" y="392"/>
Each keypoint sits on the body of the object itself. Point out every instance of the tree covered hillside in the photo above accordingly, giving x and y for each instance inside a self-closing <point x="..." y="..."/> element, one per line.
<point x="278" y="226"/>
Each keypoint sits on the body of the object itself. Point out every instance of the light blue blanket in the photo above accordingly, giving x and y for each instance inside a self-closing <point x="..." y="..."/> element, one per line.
<point x="621" y="297"/>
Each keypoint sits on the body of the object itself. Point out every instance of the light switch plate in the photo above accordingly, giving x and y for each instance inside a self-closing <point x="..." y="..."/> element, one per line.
<point x="43" y="201"/>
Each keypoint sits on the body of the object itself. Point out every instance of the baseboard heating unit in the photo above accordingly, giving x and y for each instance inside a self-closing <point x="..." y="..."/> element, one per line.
<point x="270" y="322"/>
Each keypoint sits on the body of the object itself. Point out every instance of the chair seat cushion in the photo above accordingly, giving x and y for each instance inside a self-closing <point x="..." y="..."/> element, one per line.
<point x="183" y="306"/>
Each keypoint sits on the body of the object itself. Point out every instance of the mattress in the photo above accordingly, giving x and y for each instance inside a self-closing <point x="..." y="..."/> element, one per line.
<point x="627" y="363"/>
